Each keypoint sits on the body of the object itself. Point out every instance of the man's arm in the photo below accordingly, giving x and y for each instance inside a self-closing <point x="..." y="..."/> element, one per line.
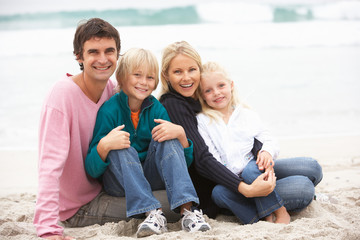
<point x="53" y="152"/>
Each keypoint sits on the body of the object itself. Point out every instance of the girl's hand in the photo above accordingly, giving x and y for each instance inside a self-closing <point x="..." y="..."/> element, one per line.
<point x="261" y="187"/>
<point x="167" y="130"/>
<point x="265" y="161"/>
<point x="115" y="139"/>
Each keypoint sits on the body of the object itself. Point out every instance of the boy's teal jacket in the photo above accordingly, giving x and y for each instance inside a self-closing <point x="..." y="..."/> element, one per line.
<point x="116" y="112"/>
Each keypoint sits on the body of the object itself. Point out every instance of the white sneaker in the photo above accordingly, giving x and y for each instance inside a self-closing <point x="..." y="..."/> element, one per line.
<point x="155" y="223"/>
<point x="194" y="220"/>
<point x="321" y="197"/>
<point x="325" y="198"/>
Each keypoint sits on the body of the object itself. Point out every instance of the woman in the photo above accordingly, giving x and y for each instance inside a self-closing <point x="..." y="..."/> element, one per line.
<point x="295" y="179"/>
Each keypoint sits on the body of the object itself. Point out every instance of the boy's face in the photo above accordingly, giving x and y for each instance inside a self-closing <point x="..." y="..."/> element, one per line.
<point x="138" y="85"/>
<point x="99" y="58"/>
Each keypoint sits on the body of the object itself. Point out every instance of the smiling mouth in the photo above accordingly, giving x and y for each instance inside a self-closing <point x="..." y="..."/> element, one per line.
<point x="102" y="68"/>
<point x="218" y="99"/>
<point x="141" y="89"/>
<point x="186" y="85"/>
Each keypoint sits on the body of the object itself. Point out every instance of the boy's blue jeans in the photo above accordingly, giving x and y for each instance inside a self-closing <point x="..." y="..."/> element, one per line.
<point x="164" y="168"/>
<point x="296" y="181"/>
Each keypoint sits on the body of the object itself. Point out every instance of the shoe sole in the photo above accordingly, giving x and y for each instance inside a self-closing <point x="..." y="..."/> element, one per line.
<point x="203" y="228"/>
<point x="145" y="231"/>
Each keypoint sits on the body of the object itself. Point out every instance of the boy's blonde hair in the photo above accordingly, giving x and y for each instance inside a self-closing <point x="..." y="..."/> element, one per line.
<point x="215" y="68"/>
<point x="169" y="53"/>
<point x="136" y="58"/>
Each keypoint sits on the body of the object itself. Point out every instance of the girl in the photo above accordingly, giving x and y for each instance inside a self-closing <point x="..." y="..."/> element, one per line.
<point x="229" y="129"/>
<point x="214" y="182"/>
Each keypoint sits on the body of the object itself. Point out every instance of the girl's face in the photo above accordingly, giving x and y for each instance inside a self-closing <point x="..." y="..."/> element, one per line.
<point x="216" y="91"/>
<point x="184" y="75"/>
<point x="138" y="85"/>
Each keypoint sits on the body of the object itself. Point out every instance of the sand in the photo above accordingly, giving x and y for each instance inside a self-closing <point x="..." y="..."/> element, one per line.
<point x="336" y="215"/>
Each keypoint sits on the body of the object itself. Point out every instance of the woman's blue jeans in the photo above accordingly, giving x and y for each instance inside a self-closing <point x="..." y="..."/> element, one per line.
<point x="296" y="181"/>
<point x="164" y="168"/>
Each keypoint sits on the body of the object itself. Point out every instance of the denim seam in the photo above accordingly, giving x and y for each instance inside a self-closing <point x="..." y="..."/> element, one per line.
<point x="165" y="158"/>
<point x="143" y="210"/>
<point x="271" y="209"/>
<point x="254" y="219"/>
<point x="168" y="188"/>
<point x="179" y="203"/>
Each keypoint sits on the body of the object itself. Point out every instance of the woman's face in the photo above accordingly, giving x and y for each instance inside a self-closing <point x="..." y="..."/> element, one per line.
<point x="184" y="75"/>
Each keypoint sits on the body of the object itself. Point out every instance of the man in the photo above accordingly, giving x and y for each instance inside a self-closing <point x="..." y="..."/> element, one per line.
<point x="65" y="192"/>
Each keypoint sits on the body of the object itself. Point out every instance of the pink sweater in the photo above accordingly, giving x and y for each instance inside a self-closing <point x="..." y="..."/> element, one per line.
<point x="66" y="127"/>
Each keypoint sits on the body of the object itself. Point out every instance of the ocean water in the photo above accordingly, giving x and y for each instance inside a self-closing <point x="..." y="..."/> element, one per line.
<point x="297" y="63"/>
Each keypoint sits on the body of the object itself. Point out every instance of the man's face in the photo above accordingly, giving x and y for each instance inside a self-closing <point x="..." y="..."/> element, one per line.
<point x="99" y="58"/>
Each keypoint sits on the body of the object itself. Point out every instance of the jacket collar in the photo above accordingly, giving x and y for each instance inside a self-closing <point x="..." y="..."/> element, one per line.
<point x="146" y="103"/>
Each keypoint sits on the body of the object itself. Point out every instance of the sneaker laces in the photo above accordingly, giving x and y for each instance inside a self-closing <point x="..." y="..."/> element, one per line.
<point x="158" y="217"/>
<point x="195" y="215"/>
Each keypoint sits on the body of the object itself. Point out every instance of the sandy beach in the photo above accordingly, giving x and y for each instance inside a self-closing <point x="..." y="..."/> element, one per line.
<point x="335" y="215"/>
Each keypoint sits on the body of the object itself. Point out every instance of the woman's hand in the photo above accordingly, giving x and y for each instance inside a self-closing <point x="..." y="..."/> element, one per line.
<point x="261" y="187"/>
<point x="115" y="139"/>
<point x="265" y="161"/>
<point x="167" y="130"/>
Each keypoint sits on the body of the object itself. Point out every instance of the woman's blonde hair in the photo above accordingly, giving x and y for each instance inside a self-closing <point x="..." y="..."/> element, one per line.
<point x="136" y="58"/>
<point x="215" y="68"/>
<point x="169" y="53"/>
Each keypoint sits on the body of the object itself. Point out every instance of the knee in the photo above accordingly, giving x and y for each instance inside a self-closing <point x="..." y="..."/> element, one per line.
<point x="172" y="143"/>
<point x="299" y="195"/>
<point x="306" y="194"/>
<point x="218" y="194"/>
<point x="318" y="174"/>
<point x="250" y="173"/>
<point x="307" y="191"/>
<point x="122" y="158"/>
<point x="315" y="170"/>
<point x="168" y="150"/>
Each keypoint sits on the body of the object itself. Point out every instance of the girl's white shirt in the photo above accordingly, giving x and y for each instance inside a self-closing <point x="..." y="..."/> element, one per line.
<point x="231" y="143"/>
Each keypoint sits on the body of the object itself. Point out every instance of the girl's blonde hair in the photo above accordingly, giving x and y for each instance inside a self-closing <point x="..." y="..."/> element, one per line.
<point x="169" y="53"/>
<point x="136" y="58"/>
<point x="215" y="68"/>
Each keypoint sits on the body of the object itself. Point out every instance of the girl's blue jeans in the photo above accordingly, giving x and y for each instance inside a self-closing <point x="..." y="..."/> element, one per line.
<point x="264" y="205"/>
<point x="164" y="168"/>
<point x="296" y="181"/>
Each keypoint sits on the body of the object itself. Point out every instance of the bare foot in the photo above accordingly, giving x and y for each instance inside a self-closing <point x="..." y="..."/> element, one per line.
<point x="282" y="216"/>
<point x="269" y="218"/>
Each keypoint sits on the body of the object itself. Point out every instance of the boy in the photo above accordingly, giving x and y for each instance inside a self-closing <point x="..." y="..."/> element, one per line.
<point x="150" y="154"/>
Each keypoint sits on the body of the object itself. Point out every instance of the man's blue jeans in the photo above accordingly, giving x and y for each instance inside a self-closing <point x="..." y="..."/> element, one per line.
<point x="296" y="181"/>
<point x="164" y="168"/>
